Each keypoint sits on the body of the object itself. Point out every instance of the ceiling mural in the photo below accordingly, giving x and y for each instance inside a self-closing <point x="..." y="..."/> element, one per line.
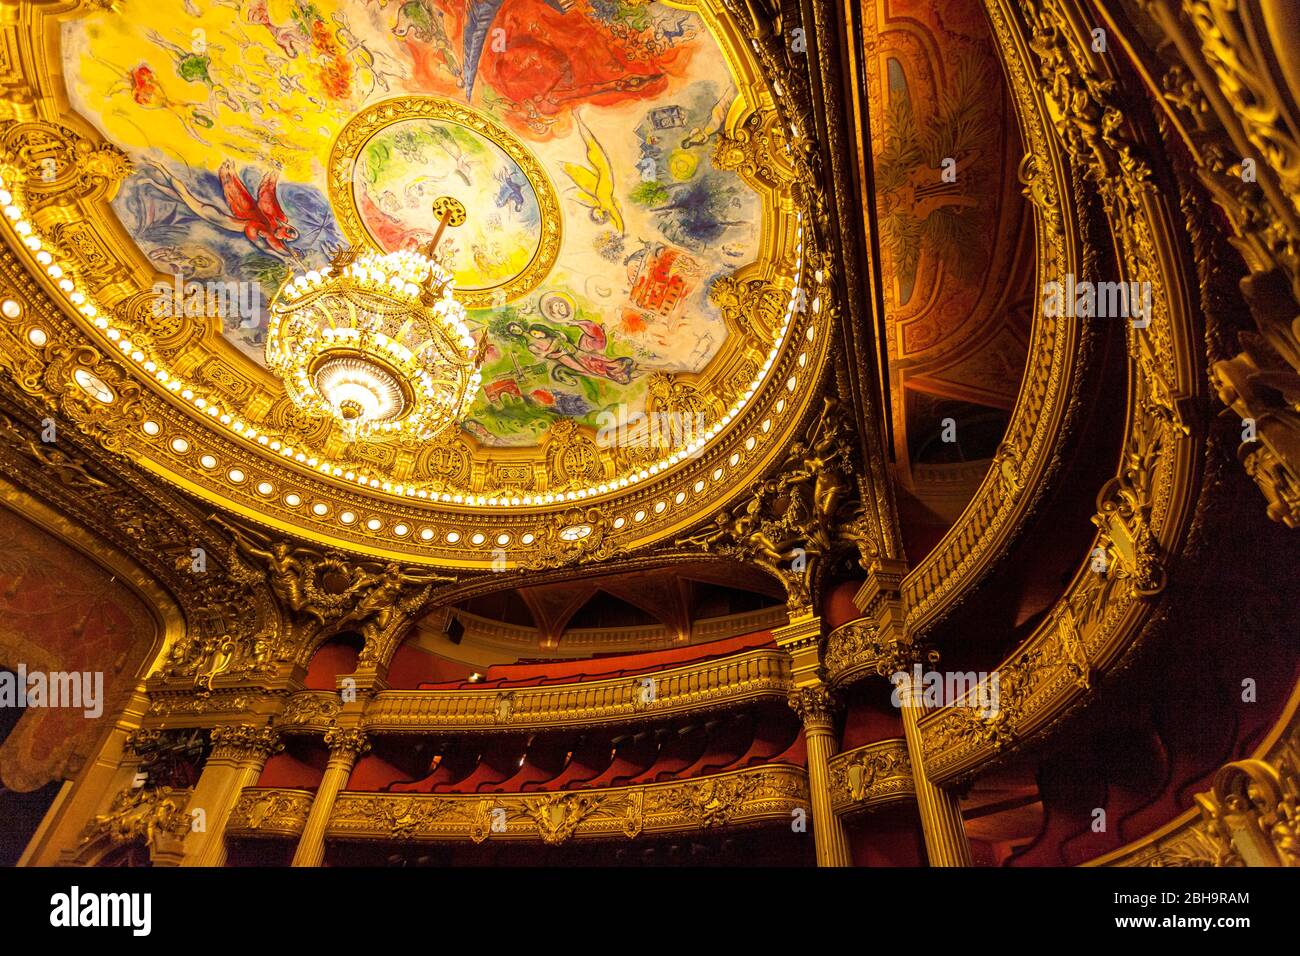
<point x="267" y="135"/>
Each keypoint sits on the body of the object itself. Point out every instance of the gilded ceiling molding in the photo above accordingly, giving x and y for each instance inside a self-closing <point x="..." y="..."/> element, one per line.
<point x="763" y="795"/>
<point x="1249" y="817"/>
<point x="874" y="775"/>
<point x="1060" y="352"/>
<point x="1144" y="513"/>
<point x="1224" y="73"/>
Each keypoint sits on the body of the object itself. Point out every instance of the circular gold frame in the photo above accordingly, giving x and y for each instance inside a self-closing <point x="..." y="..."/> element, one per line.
<point x="363" y="127"/>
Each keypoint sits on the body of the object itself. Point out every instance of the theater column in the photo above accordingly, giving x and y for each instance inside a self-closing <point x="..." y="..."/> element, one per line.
<point x="945" y="833"/>
<point x="815" y="708"/>
<point x="238" y="754"/>
<point x="811" y="700"/>
<point x="880" y="600"/>
<point x="345" y="744"/>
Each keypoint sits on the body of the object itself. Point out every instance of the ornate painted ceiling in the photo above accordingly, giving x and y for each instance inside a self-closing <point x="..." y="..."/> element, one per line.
<point x="633" y="260"/>
<point x="267" y="135"/>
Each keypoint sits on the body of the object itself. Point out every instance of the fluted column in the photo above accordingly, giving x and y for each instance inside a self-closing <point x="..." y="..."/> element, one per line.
<point x="945" y="833"/>
<point x="238" y="755"/>
<point x="880" y="600"/>
<point x="816" y="709"/>
<point x="345" y="744"/>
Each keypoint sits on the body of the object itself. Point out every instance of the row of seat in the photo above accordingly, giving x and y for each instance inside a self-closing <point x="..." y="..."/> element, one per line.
<point x="562" y="761"/>
<point x="542" y="673"/>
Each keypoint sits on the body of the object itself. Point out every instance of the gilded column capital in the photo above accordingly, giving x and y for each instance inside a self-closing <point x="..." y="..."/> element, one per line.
<point x="346" y="741"/>
<point x="241" y="741"/>
<point x="815" y="706"/>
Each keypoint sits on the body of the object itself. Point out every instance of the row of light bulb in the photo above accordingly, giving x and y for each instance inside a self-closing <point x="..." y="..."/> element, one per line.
<point x="87" y="308"/>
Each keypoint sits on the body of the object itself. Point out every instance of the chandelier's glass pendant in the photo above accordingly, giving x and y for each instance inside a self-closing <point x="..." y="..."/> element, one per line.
<point x="377" y="341"/>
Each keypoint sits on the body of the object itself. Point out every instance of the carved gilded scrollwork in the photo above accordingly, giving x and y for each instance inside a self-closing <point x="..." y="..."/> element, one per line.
<point x="815" y="706"/>
<point x="1221" y="71"/>
<point x="576" y="536"/>
<point x="318" y="594"/>
<point x="1254" y="809"/>
<point x="760" y="795"/>
<point x="271" y="813"/>
<point x="867" y="777"/>
<point x="153" y="816"/>
<point x="309" y="710"/>
<point x="351" y="741"/>
<point x="59" y="166"/>
<point x="798" y="520"/>
<point x="243" y="741"/>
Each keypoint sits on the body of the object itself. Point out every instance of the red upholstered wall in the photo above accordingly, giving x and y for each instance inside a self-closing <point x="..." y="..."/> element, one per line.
<point x="335" y="658"/>
<point x="887" y="838"/>
<point x="838" y="608"/>
<point x="301" y="765"/>
<point x="411" y="666"/>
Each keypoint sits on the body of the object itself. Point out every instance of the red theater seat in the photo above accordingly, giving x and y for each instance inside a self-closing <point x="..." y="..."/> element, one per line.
<point x="544" y="760"/>
<point x="633" y="756"/>
<point x="726" y="743"/>
<point x="772" y="738"/>
<point x="680" y="749"/>
<point x="454" y="764"/>
<point x="498" y="762"/>
<point x="796" y="753"/>
<point x="593" y="756"/>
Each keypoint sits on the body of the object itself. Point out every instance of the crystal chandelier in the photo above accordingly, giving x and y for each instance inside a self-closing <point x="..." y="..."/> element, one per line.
<point x="377" y="341"/>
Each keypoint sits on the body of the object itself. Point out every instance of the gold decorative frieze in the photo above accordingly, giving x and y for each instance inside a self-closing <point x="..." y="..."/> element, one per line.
<point x="724" y="683"/>
<point x="871" y="776"/>
<point x="309" y="711"/>
<point x="765" y="795"/>
<point x="270" y="813"/>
